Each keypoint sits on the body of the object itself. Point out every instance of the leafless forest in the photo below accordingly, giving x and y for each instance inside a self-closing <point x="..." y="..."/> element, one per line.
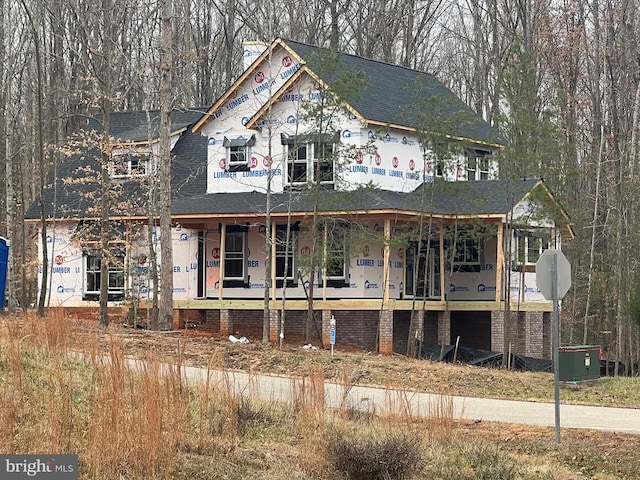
<point x="560" y="79"/>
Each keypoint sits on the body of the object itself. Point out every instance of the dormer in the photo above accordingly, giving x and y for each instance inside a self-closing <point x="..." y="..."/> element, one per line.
<point x="130" y="163"/>
<point x="238" y="153"/>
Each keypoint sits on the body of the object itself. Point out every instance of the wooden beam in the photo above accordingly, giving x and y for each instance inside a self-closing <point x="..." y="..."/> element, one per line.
<point x="323" y="270"/>
<point x="273" y="261"/>
<point x="500" y="263"/>
<point x="386" y="256"/>
<point x="356" y="304"/>
<point x="443" y="266"/>
<point x="223" y="233"/>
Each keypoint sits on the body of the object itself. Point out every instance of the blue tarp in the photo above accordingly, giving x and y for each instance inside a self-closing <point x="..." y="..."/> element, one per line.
<point x="4" y="257"/>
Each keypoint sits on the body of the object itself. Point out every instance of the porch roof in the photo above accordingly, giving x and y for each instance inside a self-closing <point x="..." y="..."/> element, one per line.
<point x="487" y="197"/>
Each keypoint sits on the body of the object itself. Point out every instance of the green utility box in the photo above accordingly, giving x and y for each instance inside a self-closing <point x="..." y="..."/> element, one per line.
<point x="579" y="363"/>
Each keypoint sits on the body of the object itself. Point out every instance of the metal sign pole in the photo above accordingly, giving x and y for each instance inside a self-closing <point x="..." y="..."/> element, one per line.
<point x="556" y="341"/>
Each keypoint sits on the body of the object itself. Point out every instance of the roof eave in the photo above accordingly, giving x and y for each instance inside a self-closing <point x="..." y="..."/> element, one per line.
<point x="450" y="137"/>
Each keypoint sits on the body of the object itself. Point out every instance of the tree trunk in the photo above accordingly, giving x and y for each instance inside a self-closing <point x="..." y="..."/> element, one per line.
<point x="41" y="165"/>
<point x="165" y="314"/>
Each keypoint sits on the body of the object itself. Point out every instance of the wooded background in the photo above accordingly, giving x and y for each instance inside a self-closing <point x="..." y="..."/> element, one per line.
<point x="560" y="79"/>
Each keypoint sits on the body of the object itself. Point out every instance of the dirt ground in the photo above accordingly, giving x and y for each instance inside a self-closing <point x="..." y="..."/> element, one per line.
<point x="583" y="453"/>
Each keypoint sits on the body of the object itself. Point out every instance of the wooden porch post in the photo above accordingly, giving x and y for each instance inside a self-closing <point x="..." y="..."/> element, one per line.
<point x="385" y="322"/>
<point x="203" y="273"/>
<point x="323" y="270"/>
<point x="223" y="233"/>
<point x="443" y="284"/>
<point x="500" y="263"/>
<point x="273" y="263"/>
<point x="386" y="270"/>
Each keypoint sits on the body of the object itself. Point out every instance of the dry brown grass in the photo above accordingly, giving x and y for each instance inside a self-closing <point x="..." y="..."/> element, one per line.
<point x="147" y="422"/>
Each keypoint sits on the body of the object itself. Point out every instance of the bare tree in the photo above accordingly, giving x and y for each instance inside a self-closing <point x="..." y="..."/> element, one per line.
<point x="165" y="314"/>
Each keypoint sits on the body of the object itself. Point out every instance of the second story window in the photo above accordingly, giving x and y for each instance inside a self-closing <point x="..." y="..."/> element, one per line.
<point x="129" y="165"/>
<point x="477" y="165"/>
<point x="310" y="159"/>
<point x="239" y="153"/>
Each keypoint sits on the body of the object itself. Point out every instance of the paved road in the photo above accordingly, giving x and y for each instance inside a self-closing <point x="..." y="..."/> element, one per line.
<point x="277" y="388"/>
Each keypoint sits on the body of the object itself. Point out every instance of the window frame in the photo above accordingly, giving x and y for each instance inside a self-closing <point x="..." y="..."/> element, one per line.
<point x="233" y="148"/>
<point x="467" y="243"/>
<point x="294" y="162"/>
<point x="484" y="167"/>
<point x="336" y="250"/>
<point x="235" y="239"/>
<point x="281" y="255"/>
<point x="478" y="164"/>
<point x="239" y="254"/>
<point x="467" y="250"/>
<point x="523" y="245"/>
<point x="472" y="162"/>
<point x="121" y="165"/>
<point x="313" y="161"/>
<point x="116" y="271"/>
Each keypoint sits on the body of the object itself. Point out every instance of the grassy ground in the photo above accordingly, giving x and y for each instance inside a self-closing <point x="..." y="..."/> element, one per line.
<point x="142" y="425"/>
<point x="365" y="367"/>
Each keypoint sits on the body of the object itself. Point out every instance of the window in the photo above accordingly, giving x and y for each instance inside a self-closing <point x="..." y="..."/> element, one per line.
<point x="285" y="254"/>
<point x="477" y="165"/>
<point x="323" y="161"/>
<point x="297" y="164"/>
<point x="239" y="153"/>
<point x="235" y="256"/>
<point x="467" y="251"/>
<point x="92" y="275"/>
<point x="467" y="248"/>
<point x="130" y="164"/>
<point x="483" y="168"/>
<point x="336" y="254"/>
<point x="472" y="163"/>
<point x="530" y="245"/>
<point x="310" y="158"/>
<point x="435" y="152"/>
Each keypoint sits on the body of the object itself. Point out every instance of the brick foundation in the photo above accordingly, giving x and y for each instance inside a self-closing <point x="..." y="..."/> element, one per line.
<point x="385" y="333"/>
<point x="326" y="328"/>
<point x="274" y="326"/>
<point x="226" y="322"/>
<point x="444" y="328"/>
<point x="528" y="332"/>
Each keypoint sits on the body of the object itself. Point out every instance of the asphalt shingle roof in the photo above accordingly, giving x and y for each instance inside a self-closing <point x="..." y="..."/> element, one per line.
<point x="400" y="95"/>
<point x="74" y="190"/>
<point x="439" y="198"/>
<point x="143" y="125"/>
<point x="189" y="167"/>
<point x="77" y="199"/>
